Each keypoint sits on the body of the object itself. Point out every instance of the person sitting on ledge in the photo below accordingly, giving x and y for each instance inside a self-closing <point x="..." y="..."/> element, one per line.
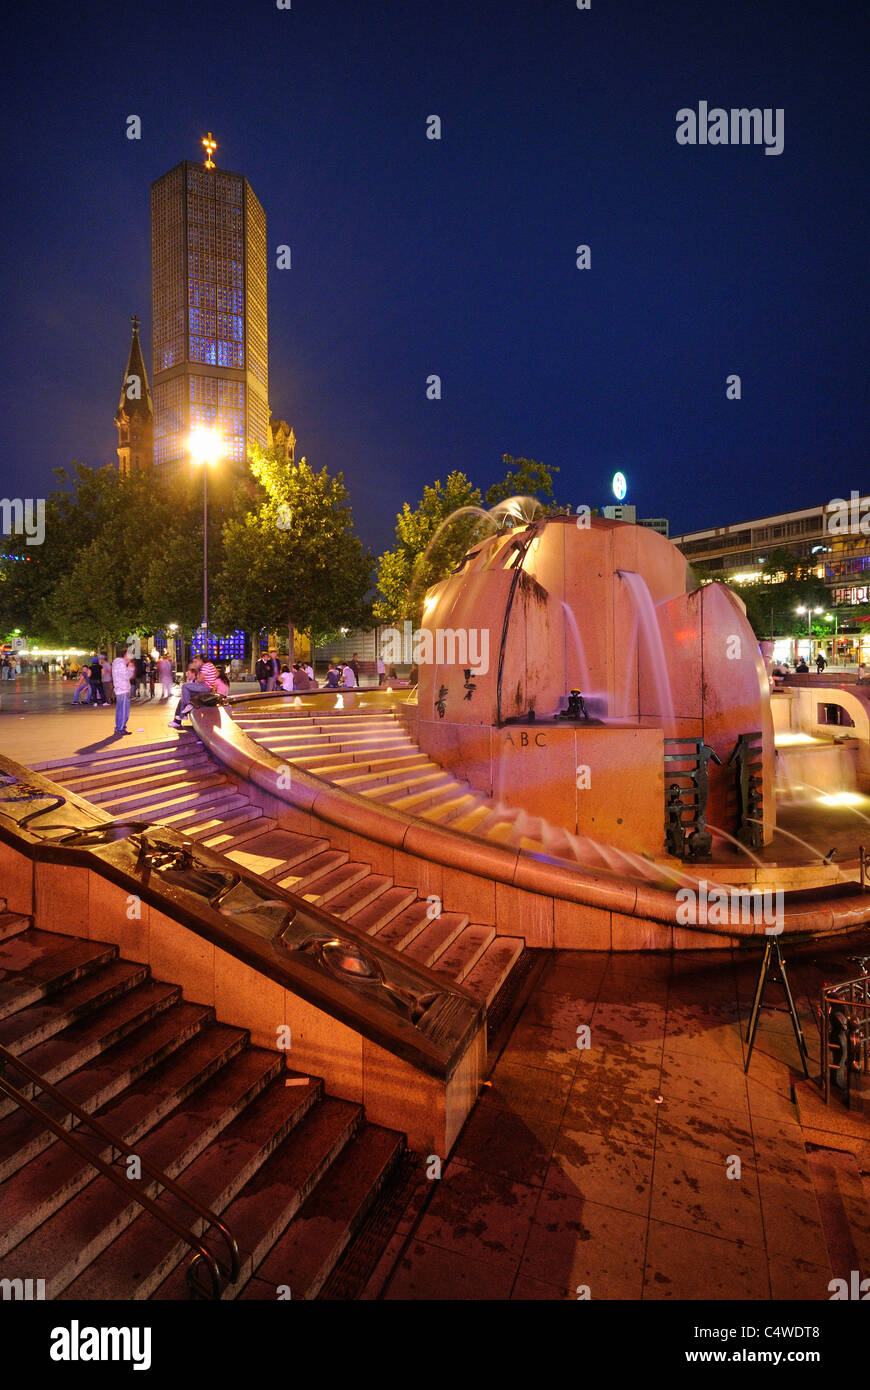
<point x="205" y="680"/>
<point x="332" y="676"/>
<point x="801" y="668"/>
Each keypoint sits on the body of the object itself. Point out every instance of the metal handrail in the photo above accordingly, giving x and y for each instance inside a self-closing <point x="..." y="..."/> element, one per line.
<point x="216" y="1268"/>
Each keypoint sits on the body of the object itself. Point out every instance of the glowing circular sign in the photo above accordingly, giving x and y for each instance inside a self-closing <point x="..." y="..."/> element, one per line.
<point x="620" y="486"/>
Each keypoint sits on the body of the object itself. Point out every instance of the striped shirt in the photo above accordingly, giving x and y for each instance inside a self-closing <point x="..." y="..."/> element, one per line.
<point x="208" y="674"/>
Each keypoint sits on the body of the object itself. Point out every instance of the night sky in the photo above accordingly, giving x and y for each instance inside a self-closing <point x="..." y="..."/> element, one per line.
<point x="457" y="257"/>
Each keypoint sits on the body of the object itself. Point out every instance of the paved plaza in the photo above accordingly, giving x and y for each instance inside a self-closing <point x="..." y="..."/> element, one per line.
<point x="608" y="1167"/>
<point x="646" y="1165"/>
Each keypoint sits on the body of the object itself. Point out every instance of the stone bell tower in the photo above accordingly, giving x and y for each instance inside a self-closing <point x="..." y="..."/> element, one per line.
<point x="135" y="414"/>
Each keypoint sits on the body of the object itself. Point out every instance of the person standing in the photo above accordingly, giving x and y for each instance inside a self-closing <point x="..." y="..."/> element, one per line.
<point x="261" y="671"/>
<point x="382" y="670"/>
<point x="121" y="671"/>
<point x="108" y="691"/>
<point x="354" y="666"/>
<point x="274" y="671"/>
<point x="164" y="675"/>
<point x="98" y="694"/>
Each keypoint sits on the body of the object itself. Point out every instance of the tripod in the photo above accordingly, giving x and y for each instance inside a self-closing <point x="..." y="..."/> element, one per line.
<point x="773" y="958"/>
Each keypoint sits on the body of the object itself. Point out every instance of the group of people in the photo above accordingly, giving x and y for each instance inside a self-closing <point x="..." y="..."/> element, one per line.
<point x="96" y="680"/>
<point x="271" y="675"/>
<point x="781" y="668"/>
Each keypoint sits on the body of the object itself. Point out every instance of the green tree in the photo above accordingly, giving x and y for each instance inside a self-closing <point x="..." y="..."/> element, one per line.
<point x="294" y="557"/>
<point x="772" y="607"/>
<point x="524" y="478"/>
<point x="426" y="550"/>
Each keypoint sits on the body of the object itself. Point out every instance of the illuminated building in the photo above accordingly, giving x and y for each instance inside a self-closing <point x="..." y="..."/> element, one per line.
<point x="209" y="324"/>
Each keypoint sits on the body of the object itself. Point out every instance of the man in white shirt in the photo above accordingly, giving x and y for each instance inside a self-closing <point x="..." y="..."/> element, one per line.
<point x="121" y="669"/>
<point x="348" y="679"/>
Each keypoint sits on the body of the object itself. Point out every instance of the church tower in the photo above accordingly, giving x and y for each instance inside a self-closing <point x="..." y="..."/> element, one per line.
<point x="135" y="414"/>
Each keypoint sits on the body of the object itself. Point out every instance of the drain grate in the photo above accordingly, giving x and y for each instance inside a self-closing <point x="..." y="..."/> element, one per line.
<point x="359" y="1261"/>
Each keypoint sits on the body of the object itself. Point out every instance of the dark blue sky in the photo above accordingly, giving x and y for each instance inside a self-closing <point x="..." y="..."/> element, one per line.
<point x="457" y="257"/>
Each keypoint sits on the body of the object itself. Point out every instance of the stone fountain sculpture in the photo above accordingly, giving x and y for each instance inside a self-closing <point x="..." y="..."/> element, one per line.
<point x="612" y="611"/>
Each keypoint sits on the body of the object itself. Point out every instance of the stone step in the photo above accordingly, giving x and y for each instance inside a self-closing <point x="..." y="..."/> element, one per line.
<point x="35" y="963"/>
<point x="134" y="757"/>
<point x="363" y="774"/>
<point x="304" y="1257"/>
<point x="12" y="924"/>
<point x="404" y="927"/>
<point x="449" y="810"/>
<point x="384" y="908"/>
<point x="270" y="1200"/>
<point x="440" y="786"/>
<point x="444" y="799"/>
<point x="50" y="1014"/>
<point x="312" y="754"/>
<point x="334" y="883"/>
<point x="324" y="763"/>
<point x="433" y="940"/>
<point x="89" y="785"/>
<point x="56" y="1173"/>
<point x="183" y="1026"/>
<point x="231" y="838"/>
<point x="239" y="812"/>
<point x="305" y="875"/>
<point x="211" y="812"/>
<point x="277" y="852"/>
<point x="171" y="1061"/>
<point x="489" y="973"/>
<point x="422" y="784"/>
<point x="137" y="1262"/>
<point x="185" y="790"/>
<point x="391" y="787"/>
<point x="68" y="1239"/>
<point x="165" y="812"/>
<point x="85" y="1039"/>
<point x="358" y="895"/>
<point x="469" y="822"/>
<point x="464" y="951"/>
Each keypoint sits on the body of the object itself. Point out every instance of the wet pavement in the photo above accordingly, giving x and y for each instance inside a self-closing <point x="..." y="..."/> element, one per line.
<point x="648" y="1164"/>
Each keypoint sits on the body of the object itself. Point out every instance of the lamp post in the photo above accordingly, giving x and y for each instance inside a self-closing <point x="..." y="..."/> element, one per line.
<point x="835" y="619"/>
<point x="205" y="449"/>
<point x="804" y="608"/>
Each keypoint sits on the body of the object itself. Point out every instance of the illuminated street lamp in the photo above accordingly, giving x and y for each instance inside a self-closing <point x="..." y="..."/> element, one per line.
<point x="835" y="619"/>
<point x="804" y="608"/>
<point x="205" y="447"/>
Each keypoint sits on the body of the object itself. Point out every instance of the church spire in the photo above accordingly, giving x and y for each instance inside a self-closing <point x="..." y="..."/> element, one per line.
<point x="135" y="414"/>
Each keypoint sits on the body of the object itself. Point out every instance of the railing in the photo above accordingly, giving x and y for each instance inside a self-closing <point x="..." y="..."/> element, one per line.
<point x="845" y="1023"/>
<point x="220" y="1274"/>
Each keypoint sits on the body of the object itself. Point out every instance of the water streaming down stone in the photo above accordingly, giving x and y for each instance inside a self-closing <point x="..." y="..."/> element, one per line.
<point x="577" y="676"/>
<point x="648" y="639"/>
<point x="828" y="767"/>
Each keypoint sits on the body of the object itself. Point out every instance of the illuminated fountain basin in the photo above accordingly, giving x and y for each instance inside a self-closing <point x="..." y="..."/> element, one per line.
<point x="611" y="606"/>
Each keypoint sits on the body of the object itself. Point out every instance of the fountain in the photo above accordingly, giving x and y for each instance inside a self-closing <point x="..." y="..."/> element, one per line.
<point x="604" y="663"/>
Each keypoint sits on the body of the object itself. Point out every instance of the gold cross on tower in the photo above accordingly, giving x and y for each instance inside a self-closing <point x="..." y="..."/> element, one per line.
<point x="210" y="145"/>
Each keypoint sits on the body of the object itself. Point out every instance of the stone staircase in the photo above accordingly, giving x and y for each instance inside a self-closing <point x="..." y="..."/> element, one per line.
<point x="178" y="783"/>
<point x="370" y="752"/>
<point x="293" y="1172"/>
